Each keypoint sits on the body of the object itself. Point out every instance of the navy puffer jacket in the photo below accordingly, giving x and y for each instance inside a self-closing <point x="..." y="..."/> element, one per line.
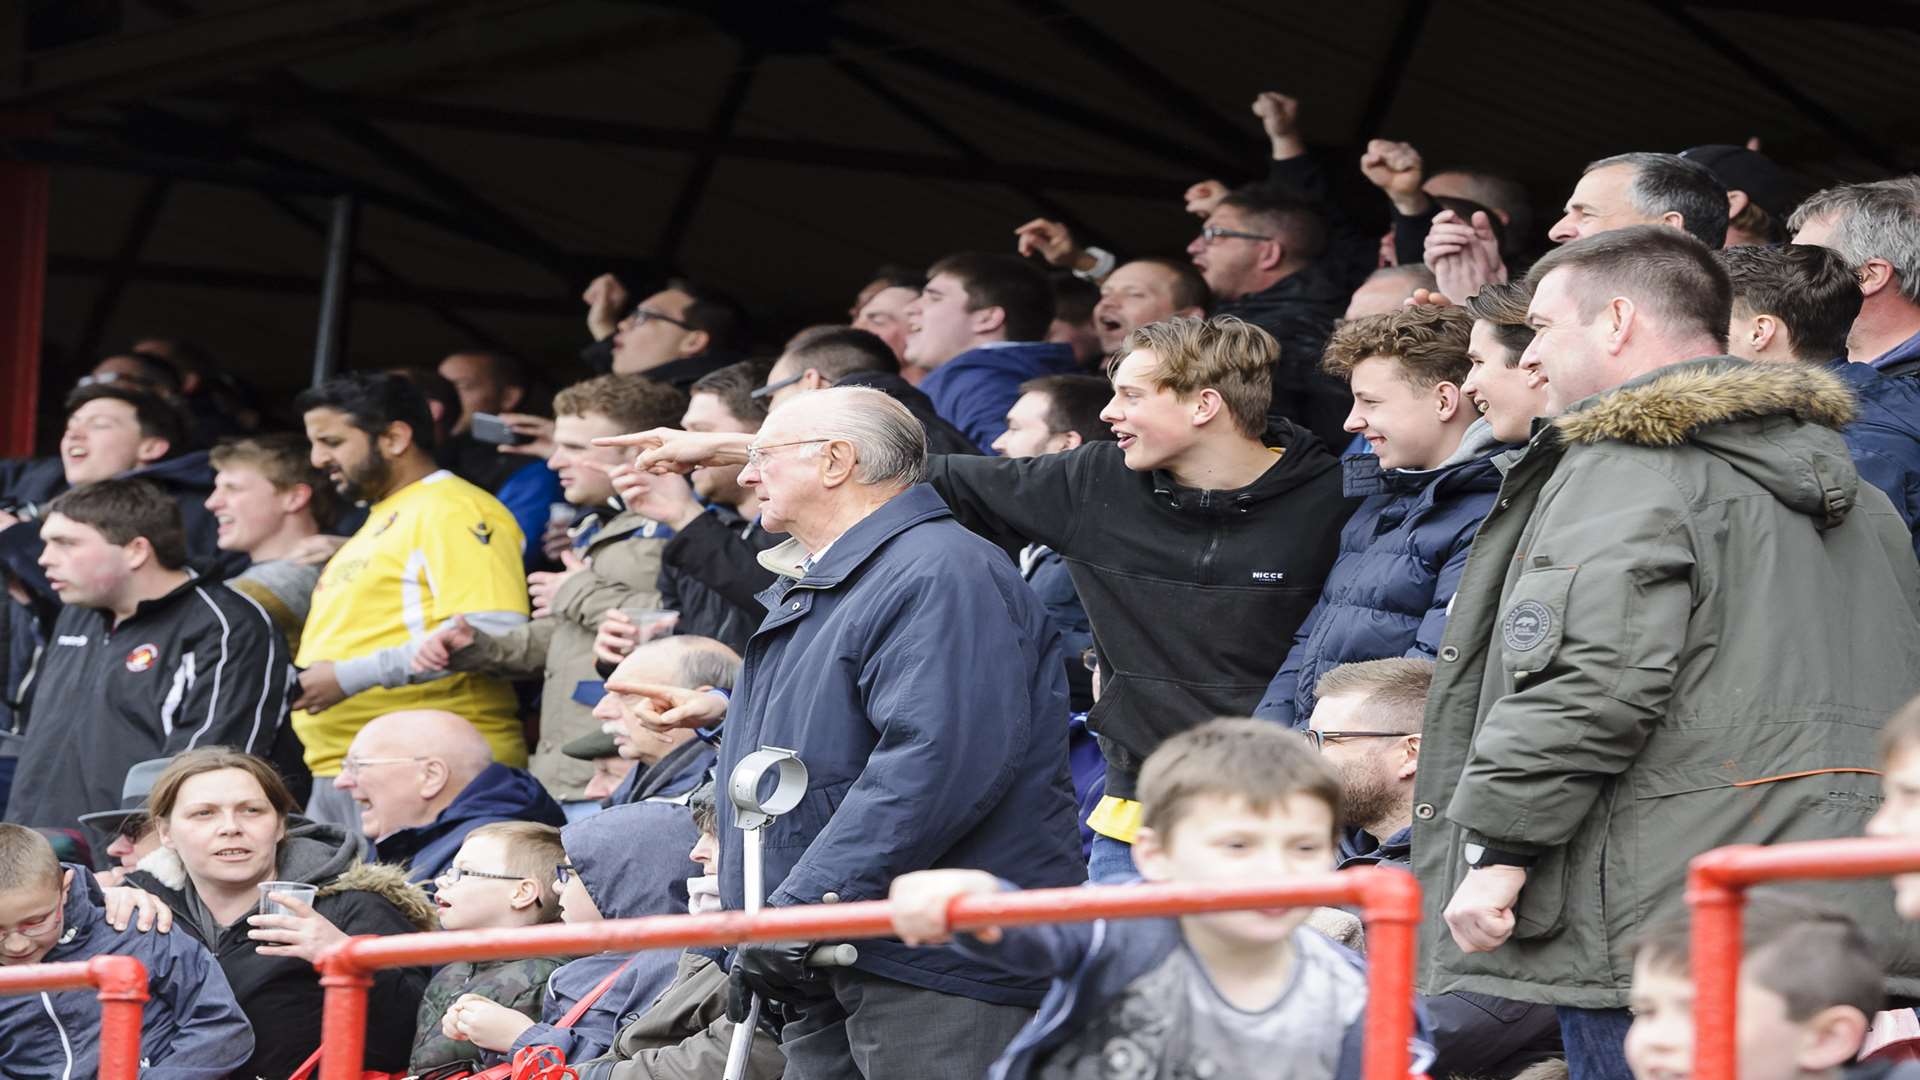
<point x="1884" y="438"/>
<point x="1400" y="560"/>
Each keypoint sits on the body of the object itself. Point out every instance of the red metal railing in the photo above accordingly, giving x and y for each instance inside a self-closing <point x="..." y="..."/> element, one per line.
<point x="122" y="982"/>
<point x="1717" y="882"/>
<point x="1389" y="901"/>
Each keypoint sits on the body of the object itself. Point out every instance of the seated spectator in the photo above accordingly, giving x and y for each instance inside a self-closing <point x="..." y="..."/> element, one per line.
<point x="146" y="659"/>
<point x="685" y="1031"/>
<point x="113" y="432"/>
<point x="494" y="383"/>
<point x="1366" y="723"/>
<point x="191" y="1028"/>
<point x="621" y="864"/>
<point x="267" y="499"/>
<point x="424" y="779"/>
<point x="1760" y="194"/>
<point x="1074" y="299"/>
<point x="1876" y="229"/>
<point x="837" y="356"/>
<point x="614" y="561"/>
<point x="426" y="553"/>
<point x="1810" y="982"/>
<point x="1388" y="289"/>
<point x="610" y="768"/>
<point x="227" y="824"/>
<point x="1147" y="290"/>
<point x="1057" y="413"/>
<point x="130" y="831"/>
<point x="1794" y="303"/>
<point x="502" y="877"/>
<point x="882" y="312"/>
<point x="979" y="331"/>
<point x="673" y="336"/>
<point x="671" y="762"/>
<point x="1428" y="481"/>
<point x="1506" y="394"/>
<point x="1225" y="994"/>
<point x="1260" y="251"/>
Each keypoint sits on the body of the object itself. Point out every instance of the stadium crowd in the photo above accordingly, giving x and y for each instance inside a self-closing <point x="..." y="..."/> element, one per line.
<point x="1534" y="563"/>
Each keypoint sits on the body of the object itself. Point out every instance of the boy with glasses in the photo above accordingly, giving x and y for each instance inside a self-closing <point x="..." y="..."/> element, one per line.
<point x="501" y="877"/>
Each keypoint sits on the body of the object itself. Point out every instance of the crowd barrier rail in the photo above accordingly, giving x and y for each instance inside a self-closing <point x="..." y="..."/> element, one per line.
<point x="1388" y="899"/>
<point x="122" y="985"/>
<point x="1717" y="883"/>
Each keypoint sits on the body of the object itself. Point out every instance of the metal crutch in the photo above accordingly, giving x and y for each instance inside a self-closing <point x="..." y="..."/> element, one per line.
<point x="753" y="814"/>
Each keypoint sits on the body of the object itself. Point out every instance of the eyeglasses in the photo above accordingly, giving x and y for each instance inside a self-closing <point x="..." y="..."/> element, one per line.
<point x="563" y="873"/>
<point x="776" y="386"/>
<point x="351" y="764"/>
<point x="642" y="316"/>
<point x="1319" y="739"/>
<point x="757" y="455"/>
<point x="452" y="875"/>
<point x="1212" y="233"/>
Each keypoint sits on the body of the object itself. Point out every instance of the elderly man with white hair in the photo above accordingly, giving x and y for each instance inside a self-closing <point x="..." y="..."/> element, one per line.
<point x="425" y="778"/>
<point x="920" y="681"/>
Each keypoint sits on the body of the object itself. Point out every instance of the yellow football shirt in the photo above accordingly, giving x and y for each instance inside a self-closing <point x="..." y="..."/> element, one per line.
<point x="436" y="548"/>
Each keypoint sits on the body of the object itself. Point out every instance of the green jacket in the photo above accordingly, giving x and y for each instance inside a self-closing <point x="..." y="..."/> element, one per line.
<point x="520" y="985"/>
<point x="1681" y="627"/>
<point x="623" y="564"/>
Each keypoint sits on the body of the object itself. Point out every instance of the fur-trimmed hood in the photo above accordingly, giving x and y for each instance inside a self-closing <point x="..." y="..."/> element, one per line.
<point x="1778" y="424"/>
<point x="1669" y="406"/>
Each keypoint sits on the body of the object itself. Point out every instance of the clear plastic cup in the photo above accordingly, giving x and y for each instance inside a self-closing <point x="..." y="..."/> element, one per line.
<point x="298" y="890"/>
<point x="652" y="622"/>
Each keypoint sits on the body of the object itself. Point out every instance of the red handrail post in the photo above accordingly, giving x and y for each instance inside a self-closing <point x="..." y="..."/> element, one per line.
<point x="343" y="1019"/>
<point x="1390" y="904"/>
<point x="123" y="992"/>
<point x="1716" y="946"/>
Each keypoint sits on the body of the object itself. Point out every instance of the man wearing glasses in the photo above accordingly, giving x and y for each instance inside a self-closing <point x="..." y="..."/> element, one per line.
<point x="919" y="680"/>
<point x="425" y="779"/>
<point x="1366" y="722"/>
<point x="673" y="336"/>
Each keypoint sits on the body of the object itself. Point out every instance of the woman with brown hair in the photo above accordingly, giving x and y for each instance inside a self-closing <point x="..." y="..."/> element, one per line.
<point x="226" y="826"/>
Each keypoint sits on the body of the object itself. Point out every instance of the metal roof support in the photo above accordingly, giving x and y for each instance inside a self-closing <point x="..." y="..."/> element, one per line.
<point x="673" y="231"/>
<point x="1393" y="70"/>
<point x="114" y="283"/>
<point x="336" y="290"/>
<point x="998" y="85"/>
<point x="1053" y="208"/>
<point x="1770" y="80"/>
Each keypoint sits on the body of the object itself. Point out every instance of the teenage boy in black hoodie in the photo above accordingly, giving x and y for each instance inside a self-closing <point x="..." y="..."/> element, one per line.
<point x="1198" y="540"/>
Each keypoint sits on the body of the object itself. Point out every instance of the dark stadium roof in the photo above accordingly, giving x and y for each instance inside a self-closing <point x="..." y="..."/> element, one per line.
<point x="503" y="151"/>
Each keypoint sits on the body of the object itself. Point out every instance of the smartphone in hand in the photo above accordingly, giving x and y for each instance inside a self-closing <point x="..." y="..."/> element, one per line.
<point x="490" y="428"/>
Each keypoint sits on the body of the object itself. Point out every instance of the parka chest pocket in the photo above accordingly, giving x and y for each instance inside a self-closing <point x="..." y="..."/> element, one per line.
<point x="1535" y="619"/>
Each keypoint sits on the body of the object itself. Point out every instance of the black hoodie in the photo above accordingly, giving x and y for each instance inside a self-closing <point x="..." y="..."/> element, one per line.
<point x="281" y="995"/>
<point x="1191" y="593"/>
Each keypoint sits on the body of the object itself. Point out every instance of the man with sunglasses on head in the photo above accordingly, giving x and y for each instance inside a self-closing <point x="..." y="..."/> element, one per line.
<point x="674" y="336"/>
<point x="1366" y="722"/>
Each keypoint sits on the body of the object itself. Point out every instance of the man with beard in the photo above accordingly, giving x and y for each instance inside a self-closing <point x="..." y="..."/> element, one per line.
<point x="433" y="547"/>
<point x="1366" y="723"/>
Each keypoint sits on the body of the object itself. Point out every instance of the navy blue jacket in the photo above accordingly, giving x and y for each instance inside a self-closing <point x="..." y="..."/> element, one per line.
<point x="1400" y="559"/>
<point x="919" y="680"/>
<point x="1885" y="438"/>
<point x="679" y="772"/>
<point x="1052" y="582"/>
<point x="634" y="861"/>
<point x="499" y="793"/>
<point x="191" y="1029"/>
<point x="974" y="390"/>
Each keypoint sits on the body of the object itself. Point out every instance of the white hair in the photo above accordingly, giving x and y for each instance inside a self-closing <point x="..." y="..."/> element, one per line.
<point x="1880" y="220"/>
<point x="889" y="443"/>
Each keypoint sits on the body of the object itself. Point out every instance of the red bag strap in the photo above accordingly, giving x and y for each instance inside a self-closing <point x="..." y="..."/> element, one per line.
<point x="571" y="1018"/>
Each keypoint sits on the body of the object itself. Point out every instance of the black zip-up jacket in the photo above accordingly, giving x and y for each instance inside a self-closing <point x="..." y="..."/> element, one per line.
<point x="201" y="666"/>
<point x="1191" y="593"/>
<point x="710" y="574"/>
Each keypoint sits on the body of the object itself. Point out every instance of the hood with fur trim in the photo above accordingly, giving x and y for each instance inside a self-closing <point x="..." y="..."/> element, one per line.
<point x="1778" y="424"/>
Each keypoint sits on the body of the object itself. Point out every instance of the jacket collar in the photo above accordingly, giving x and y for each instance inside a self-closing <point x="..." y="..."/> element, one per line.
<point x="1297" y="458"/>
<point x="909" y="508"/>
<point x="1362" y="476"/>
<point x="1668" y="406"/>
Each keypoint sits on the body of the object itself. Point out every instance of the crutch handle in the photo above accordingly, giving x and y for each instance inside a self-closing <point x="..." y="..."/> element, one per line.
<point x="841" y="955"/>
